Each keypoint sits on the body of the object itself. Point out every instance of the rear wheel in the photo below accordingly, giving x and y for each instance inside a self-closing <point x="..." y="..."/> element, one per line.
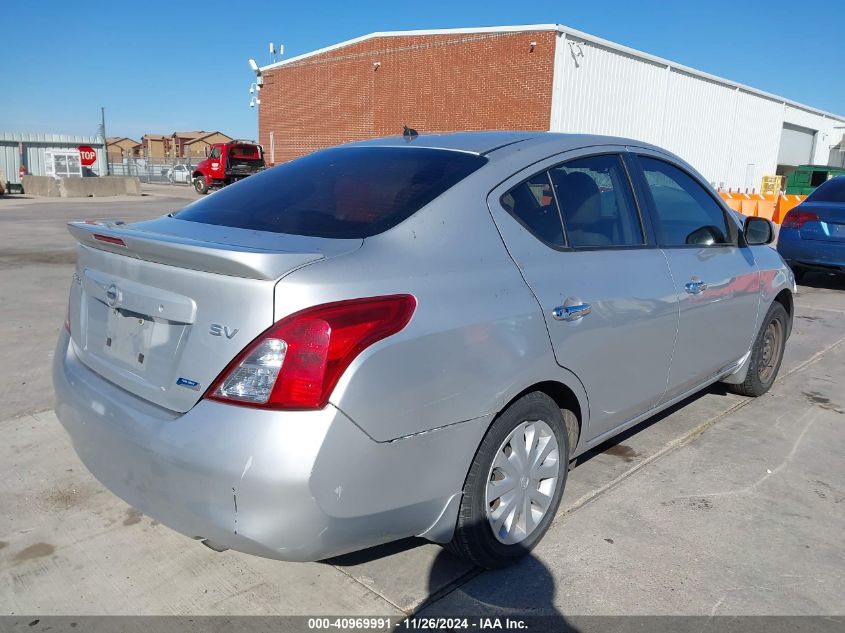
<point x="515" y="483"/>
<point x="766" y="355"/>
<point x="799" y="273"/>
<point x="200" y="184"/>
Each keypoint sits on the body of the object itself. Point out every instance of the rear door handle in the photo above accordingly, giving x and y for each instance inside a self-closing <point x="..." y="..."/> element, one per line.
<point x="695" y="286"/>
<point x="573" y="312"/>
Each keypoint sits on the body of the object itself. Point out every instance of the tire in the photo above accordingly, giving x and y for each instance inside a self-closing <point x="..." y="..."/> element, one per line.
<point x="766" y="355"/>
<point x="533" y="417"/>
<point x="201" y="185"/>
<point x="799" y="273"/>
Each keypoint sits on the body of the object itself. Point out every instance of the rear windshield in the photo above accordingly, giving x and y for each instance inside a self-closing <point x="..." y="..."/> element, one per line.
<point x="344" y="192"/>
<point x="831" y="191"/>
<point x="244" y="151"/>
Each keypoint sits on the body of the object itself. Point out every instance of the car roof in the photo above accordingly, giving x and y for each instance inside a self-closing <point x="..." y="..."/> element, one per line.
<point x="500" y="142"/>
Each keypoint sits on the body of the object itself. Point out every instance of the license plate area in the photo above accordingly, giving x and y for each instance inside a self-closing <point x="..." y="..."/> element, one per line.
<point x="128" y="338"/>
<point x="134" y="345"/>
<point x="837" y="230"/>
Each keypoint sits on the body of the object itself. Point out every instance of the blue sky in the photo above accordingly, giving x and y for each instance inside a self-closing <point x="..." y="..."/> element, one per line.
<point x="164" y="66"/>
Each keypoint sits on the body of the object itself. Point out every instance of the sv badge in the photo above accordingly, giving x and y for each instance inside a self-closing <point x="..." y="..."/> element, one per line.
<point x="222" y="330"/>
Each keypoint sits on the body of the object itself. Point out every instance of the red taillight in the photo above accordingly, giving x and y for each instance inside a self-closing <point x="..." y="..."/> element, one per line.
<point x="297" y="362"/>
<point x="796" y="218"/>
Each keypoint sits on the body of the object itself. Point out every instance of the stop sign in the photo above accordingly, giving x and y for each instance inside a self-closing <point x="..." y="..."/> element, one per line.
<point x="87" y="155"/>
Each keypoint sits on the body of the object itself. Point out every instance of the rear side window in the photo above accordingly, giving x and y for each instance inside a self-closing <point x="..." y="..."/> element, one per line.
<point x="831" y="191"/>
<point x="533" y="205"/>
<point x="596" y="202"/>
<point x="344" y="192"/>
<point x="686" y="213"/>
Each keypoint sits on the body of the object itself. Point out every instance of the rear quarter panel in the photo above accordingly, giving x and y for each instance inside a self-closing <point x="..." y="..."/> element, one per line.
<point x="476" y="340"/>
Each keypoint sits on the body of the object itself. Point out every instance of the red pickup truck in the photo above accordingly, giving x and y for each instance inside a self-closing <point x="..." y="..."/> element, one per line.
<point x="227" y="163"/>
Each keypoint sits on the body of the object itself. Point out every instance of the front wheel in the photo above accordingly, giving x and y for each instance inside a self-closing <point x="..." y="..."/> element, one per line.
<point x="201" y="185"/>
<point x="766" y="355"/>
<point x="515" y="483"/>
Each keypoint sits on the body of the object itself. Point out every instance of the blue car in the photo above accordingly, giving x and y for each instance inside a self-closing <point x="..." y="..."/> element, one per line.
<point x="812" y="236"/>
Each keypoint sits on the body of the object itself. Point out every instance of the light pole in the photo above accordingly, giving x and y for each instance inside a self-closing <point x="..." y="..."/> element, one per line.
<point x="105" y="142"/>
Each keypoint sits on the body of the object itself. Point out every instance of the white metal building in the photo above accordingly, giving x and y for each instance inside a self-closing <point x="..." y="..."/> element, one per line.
<point x="732" y="133"/>
<point x="47" y="155"/>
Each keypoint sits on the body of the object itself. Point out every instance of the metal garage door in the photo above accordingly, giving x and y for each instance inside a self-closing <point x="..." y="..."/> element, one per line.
<point x="796" y="145"/>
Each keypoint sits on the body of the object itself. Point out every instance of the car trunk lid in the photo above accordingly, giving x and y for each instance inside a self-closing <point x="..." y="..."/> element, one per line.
<point x="161" y="307"/>
<point x="830" y="226"/>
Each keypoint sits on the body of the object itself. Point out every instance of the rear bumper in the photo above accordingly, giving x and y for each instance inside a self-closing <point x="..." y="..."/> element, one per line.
<point x="810" y="253"/>
<point x="286" y="485"/>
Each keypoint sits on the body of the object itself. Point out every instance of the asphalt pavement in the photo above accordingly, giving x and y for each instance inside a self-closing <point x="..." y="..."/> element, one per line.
<point x="722" y="505"/>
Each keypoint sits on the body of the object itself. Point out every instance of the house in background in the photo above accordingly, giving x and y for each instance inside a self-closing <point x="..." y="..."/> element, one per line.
<point x="180" y="139"/>
<point x="120" y="147"/>
<point x="196" y="148"/>
<point x="155" y="145"/>
<point x="171" y="147"/>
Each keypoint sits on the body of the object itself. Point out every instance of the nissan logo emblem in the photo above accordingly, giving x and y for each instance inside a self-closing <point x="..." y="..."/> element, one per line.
<point x="112" y="296"/>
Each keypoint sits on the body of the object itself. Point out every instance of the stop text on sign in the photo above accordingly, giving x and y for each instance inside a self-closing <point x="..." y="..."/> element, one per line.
<point x="87" y="155"/>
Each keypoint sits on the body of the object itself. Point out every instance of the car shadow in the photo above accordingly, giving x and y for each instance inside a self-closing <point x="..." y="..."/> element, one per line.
<point x="823" y="281"/>
<point x="522" y="592"/>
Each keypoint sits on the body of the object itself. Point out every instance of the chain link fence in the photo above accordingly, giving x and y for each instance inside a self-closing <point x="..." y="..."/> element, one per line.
<point x="156" y="169"/>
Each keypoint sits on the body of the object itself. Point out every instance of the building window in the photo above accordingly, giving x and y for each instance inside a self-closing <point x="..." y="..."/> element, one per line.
<point x="62" y="164"/>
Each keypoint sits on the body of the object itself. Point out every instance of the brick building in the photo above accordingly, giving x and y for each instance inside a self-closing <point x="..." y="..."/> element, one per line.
<point x="457" y="80"/>
<point x="539" y="77"/>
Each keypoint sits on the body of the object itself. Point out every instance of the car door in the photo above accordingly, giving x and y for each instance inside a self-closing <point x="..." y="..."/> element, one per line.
<point x="216" y="166"/>
<point x="573" y="227"/>
<point x="717" y="282"/>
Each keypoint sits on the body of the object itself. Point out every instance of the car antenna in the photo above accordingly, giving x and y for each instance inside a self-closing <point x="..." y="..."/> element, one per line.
<point x="409" y="133"/>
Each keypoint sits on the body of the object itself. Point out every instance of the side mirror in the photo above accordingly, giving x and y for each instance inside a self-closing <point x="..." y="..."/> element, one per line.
<point x="758" y="231"/>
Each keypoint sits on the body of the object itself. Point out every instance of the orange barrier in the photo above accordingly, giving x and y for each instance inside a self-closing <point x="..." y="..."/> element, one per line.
<point x="770" y="206"/>
<point x="785" y="203"/>
<point x="766" y="208"/>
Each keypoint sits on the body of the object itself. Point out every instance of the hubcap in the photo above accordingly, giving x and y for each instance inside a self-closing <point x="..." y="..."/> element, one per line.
<point x="772" y="344"/>
<point x="522" y="481"/>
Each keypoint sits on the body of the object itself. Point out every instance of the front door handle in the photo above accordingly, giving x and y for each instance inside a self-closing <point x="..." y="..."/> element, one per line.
<point x="573" y="312"/>
<point x="695" y="286"/>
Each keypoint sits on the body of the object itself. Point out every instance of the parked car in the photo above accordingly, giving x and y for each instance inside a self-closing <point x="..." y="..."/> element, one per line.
<point x="812" y="235"/>
<point x="407" y="337"/>
<point x="178" y="173"/>
<point x="804" y="180"/>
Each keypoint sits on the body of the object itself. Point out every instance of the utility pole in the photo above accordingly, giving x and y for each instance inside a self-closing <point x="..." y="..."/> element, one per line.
<point x="105" y="143"/>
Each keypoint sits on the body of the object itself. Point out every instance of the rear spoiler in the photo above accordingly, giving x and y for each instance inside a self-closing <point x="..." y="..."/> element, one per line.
<point x="224" y="259"/>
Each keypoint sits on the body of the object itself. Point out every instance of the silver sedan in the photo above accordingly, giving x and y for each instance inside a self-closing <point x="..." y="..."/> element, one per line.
<point x="407" y="336"/>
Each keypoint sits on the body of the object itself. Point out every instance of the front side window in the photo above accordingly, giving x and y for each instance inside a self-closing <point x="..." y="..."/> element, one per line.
<point x="215" y="153"/>
<point x="596" y="202"/>
<point x="532" y="204"/>
<point x="345" y="192"/>
<point x="686" y="213"/>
